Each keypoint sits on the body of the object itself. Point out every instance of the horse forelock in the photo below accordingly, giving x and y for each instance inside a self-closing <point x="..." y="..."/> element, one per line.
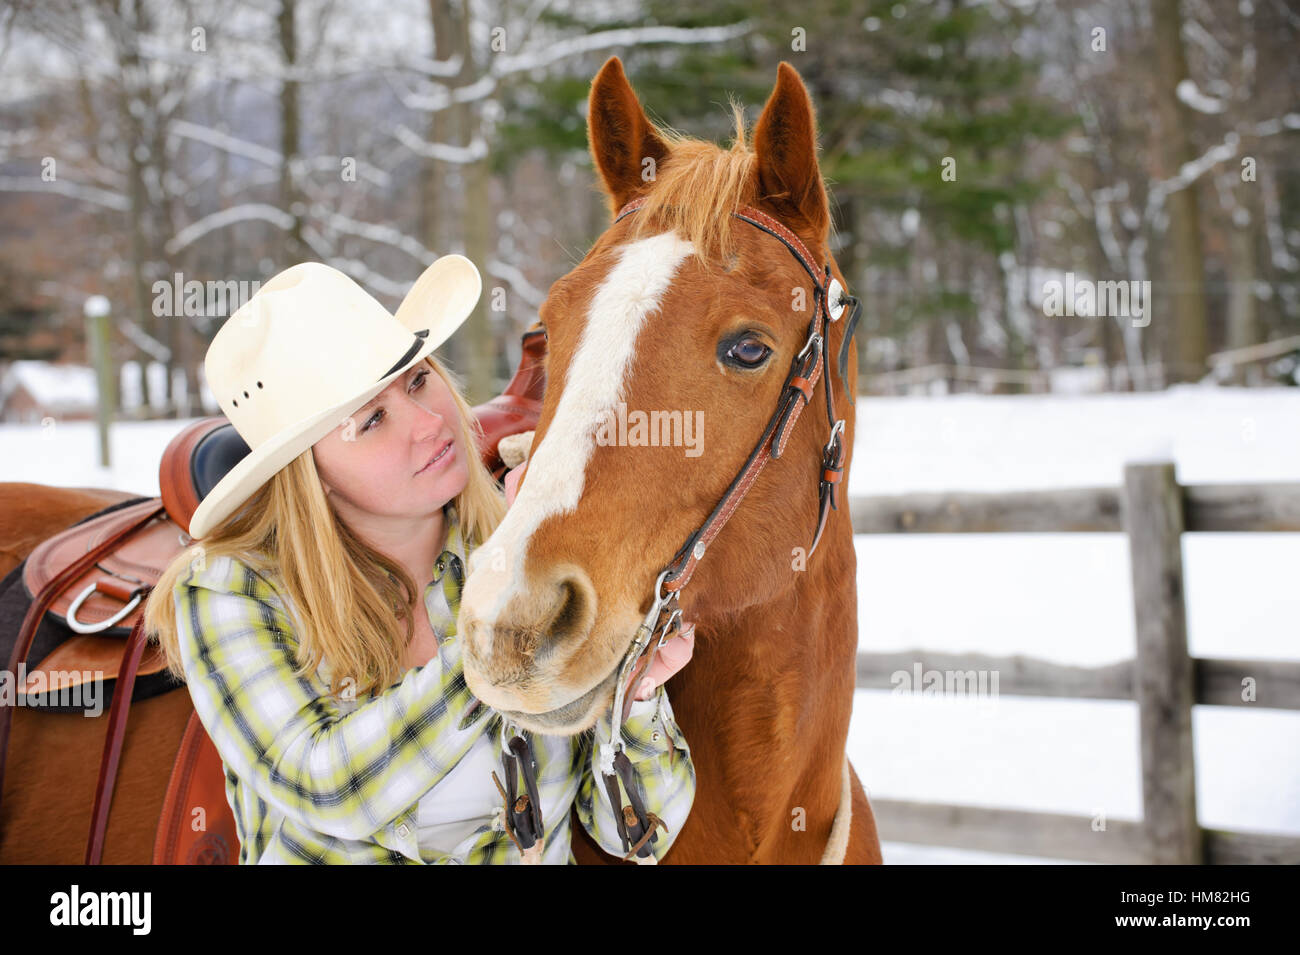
<point x="695" y="192"/>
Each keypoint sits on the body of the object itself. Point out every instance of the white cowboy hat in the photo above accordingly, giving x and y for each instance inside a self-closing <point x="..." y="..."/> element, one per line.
<point x="310" y="348"/>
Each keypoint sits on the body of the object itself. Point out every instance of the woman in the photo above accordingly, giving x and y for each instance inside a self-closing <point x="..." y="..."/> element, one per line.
<point x="330" y="684"/>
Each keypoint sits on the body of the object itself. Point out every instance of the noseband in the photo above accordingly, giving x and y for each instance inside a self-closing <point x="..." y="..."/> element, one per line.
<point x="636" y="826"/>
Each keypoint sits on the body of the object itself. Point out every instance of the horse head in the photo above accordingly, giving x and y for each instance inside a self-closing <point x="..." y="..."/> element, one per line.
<point x="669" y="347"/>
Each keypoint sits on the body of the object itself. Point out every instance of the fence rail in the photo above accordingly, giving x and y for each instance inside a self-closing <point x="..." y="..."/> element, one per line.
<point x="1154" y="510"/>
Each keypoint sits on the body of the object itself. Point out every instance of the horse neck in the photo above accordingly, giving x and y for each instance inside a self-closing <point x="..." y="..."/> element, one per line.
<point x="764" y="705"/>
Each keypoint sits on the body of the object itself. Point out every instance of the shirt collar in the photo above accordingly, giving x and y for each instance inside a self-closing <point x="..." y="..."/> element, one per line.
<point x="453" y="547"/>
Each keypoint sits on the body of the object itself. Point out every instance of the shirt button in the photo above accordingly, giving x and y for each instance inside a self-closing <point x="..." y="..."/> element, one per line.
<point x="404" y="830"/>
<point x="655" y="736"/>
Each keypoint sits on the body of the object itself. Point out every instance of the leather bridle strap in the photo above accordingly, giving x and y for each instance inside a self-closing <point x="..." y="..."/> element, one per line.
<point x="522" y="815"/>
<point x="809" y="365"/>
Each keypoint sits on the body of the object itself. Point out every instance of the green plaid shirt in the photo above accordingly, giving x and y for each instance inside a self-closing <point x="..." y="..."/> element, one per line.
<point x="313" y="779"/>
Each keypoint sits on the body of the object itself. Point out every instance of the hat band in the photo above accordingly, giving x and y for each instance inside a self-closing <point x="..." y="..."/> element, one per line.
<point x="410" y="352"/>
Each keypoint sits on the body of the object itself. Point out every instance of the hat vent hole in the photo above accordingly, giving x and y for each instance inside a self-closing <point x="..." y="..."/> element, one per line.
<point x="245" y="394"/>
<point x="259" y="384"/>
<point x="235" y="402"/>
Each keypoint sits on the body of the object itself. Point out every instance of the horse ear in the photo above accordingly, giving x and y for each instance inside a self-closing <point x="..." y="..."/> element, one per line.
<point x="785" y="142"/>
<point x="621" y="136"/>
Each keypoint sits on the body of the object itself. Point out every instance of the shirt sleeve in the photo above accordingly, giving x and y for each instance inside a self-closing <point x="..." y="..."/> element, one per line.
<point x="347" y="774"/>
<point x="661" y="759"/>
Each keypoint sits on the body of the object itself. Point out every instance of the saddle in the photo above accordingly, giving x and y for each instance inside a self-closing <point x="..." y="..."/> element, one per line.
<point x="88" y="584"/>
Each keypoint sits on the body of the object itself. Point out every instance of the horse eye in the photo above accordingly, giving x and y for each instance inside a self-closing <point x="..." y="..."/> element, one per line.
<point x="749" y="353"/>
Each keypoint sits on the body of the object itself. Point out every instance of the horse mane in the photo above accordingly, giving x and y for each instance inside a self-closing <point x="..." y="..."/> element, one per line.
<point x="698" y="186"/>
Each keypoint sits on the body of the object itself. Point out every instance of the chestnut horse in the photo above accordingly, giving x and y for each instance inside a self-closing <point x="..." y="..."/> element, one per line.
<point x="684" y="309"/>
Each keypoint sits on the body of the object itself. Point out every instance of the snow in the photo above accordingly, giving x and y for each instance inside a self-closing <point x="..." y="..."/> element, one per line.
<point x="60" y="388"/>
<point x="1058" y="597"/>
<point x="1193" y="98"/>
<point x="225" y="217"/>
<point x="1067" y="598"/>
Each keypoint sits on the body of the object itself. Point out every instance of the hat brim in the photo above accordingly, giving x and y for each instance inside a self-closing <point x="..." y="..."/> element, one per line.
<point x="272" y="455"/>
<point x="442" y="298"/>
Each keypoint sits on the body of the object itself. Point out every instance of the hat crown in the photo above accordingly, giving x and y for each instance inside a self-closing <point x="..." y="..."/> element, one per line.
<point x="309" y="339"/>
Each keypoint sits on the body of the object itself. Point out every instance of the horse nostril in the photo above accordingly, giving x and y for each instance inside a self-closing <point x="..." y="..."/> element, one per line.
<point x="574" y="615"/>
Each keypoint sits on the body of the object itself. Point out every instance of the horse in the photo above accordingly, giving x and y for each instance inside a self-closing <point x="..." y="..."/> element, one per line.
<point x="688" y="304"/>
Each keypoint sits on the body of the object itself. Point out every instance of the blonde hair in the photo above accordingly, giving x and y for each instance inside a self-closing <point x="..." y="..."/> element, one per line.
<point x="349" y="597"/>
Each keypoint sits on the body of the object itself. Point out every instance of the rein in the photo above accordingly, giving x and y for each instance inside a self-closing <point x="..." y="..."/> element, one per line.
<point x="636" y="826"/>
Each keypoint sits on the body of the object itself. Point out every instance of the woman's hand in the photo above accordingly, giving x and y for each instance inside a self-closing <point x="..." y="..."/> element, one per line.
<point x="672" y="656"/>
<point x="513" y="477"/>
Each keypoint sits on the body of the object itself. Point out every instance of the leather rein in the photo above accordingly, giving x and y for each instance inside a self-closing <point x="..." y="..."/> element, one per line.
<point x="636" y="825"/>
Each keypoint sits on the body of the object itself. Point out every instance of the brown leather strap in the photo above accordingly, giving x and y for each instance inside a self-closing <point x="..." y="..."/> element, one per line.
<point x="763" y="221"/>
<point x="113" y="738"/>
<point x="122" y="591"/>
<point x="40" y="603"/>
<point x="770" y="445"/>
<point x="832" y="475"/>
<point x="523" y="810"/>
<point x="636" y="825"/>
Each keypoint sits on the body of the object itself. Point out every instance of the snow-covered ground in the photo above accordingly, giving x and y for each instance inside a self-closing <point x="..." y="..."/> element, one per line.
<point x="1058" y="597"/>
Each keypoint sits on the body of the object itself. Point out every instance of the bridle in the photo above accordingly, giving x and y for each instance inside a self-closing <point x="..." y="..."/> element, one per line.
<point x="637" y="826"/>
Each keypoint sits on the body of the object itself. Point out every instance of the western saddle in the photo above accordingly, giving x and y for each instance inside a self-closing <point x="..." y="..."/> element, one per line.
<point x="92" y="579"/>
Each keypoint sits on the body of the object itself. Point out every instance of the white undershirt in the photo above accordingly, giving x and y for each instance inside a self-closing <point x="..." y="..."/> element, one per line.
<point x="462" y="801"/>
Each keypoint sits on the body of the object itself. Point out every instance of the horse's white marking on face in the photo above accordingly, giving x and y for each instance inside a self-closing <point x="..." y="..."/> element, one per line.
<point x="593" y="386"/>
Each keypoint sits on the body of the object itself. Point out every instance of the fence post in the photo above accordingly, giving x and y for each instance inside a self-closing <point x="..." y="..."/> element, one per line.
<point x="1163" y="681"/>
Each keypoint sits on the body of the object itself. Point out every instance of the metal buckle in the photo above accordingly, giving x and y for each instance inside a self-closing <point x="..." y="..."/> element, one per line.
<point x="836" y="430"/>
<point x="648" y="628"/>
<point x="814" y="337"/>
<point x="78" y="627"/>
<point x="674" y="624"/>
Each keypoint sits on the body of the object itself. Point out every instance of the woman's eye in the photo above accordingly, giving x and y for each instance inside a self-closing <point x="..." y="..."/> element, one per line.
<point x="749" y="352"/>
<point x="372" y="420"/>
<point x="418" y="381"/>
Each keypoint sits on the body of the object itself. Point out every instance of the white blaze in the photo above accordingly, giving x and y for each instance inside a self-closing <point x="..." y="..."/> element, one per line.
<point x="557" y="468"/>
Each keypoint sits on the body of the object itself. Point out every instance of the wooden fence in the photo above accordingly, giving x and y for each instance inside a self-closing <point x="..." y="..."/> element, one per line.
<point x="1154" y="511"/>
<point x="961" y="379"/>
